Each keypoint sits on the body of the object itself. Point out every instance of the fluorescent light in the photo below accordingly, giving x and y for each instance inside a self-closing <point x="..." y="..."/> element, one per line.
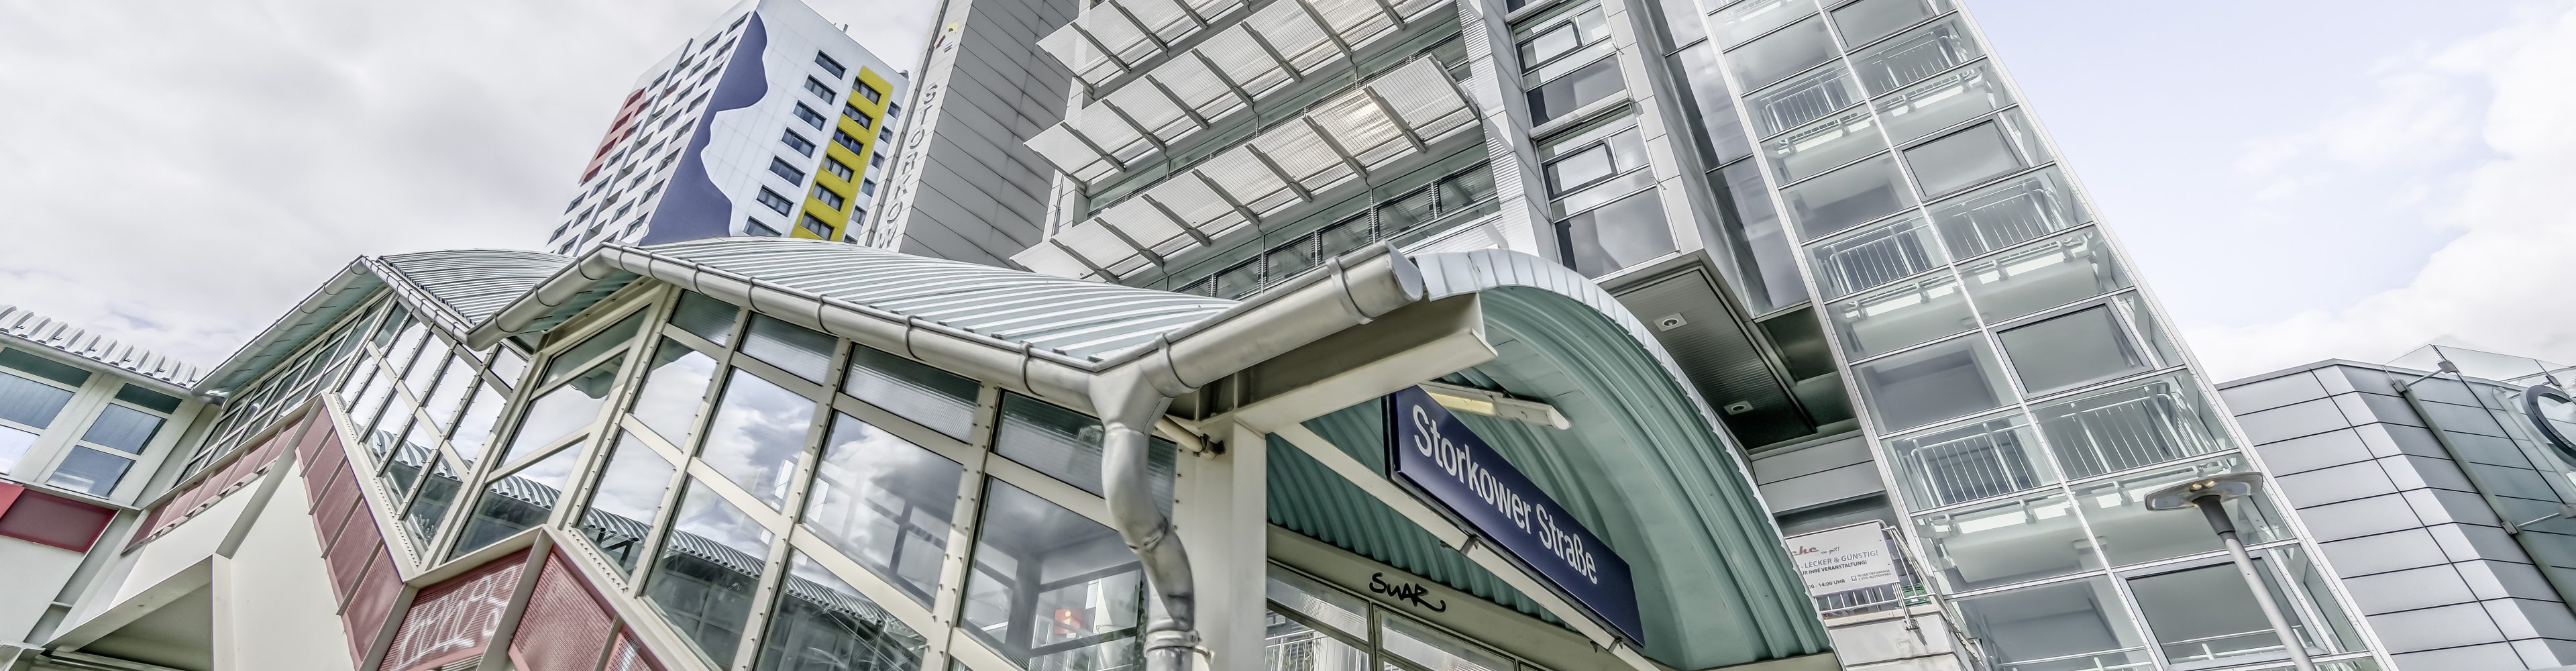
<point x="1495" y="404"/>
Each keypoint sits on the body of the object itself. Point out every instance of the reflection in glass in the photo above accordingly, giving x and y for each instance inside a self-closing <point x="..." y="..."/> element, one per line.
<point x="1980" y="458"/>
<point x="626" y="499"/>
<point x="1815" y="148"/>
<point x="934" y="398"/>
<point x="1809" y="97"/>
<point x="2045" y="274"/>
<point x="613" y="337"/>
<point x="674" y="387"/>
<point x="1722" y="134"/>
<point x="1963" y="158"/>
<point x="2008" y="213"/>
<point x="451" y="390"/>
<point x="508" y="363"/>
<point x="122" y="428"/>
<point x="1332" y="607"/>
<point x="423" y="372"/>
<point x="1745" y="20"/>
<point x="1050" y="589"/>
<point x="1290" y="645"/>
<point x="1941" y="102"/>
<point x="563" y="410"/>
<point x="708" y="570"/>
<point x="13" y="447"/>
<point x="2204" y="615"/>
<point x="1874" y="255"/>
<point x="89" y="471"/>
<point x="1432" y="649"/>
<point x="1911" y="57"/>
<point x="1901" y="315"/>
<point x="791" y="348"/>
<point x="757" y="435"/>
<point x="518" y="501"/>
<point x="707" y="317"/>
<point x="2072" y="349"/>
<point x="408" y="456"/>
<point x="2160" y="419"/>
<point x="885" y="503"/>
<point x="1066" y="444"/>
<point x="1931" y="384"/>
<point x="2131" y="534"/>
<point x="2067" y="626"/>
<point x="370" y="403"/>
<point x="436" y="494"/>
<point x="1867" y="20"/>
<point x="1612" y="237"/>
<point x="1847" y="197"/>
<point x="1781" y="53"/>
<point x="1760" y="241"/>
<point x="474" y="429"/>
<point x="824" y="624"/>
<point x="1566" y="94"/>
<point x="2006" y="542"/>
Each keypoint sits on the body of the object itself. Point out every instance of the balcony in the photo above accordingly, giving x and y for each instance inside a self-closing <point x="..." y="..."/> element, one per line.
<point x="1977" y="459"/>
<point x="2159" y="420"/>
<point x="1795" y="102"/>
<point x="1874" y="256"/>
<point x="2009" y="213"/>
<point x="1911" y="57"/>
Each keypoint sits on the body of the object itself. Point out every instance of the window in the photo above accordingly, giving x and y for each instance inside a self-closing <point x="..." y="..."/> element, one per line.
<point x="2073" y="349"/>
<point x="849" y="142"/>
<point x="815" y="225"/>
<point x="829" y="65"/>
<point x="2057" y="271"/>
<point x="1951" y="379"/>
<point x="474" y="429"/>
<point x="786" y="171"/>
<point x="1085" y="617"/>
<point x="517" y="501"/>
<point x="859" y="115"/>
<point x="626" y="499"/>
<point x="674" y="386"/>
<point x="67" y="374"/>
<point x="1847" y="197"/>
<point x="828" y="198"/>
<point x="560" y="412"/>
<point x="775" y="202"/>
<point x="1921" y="53"/>
<point x="1615" y="236"/>
<point x="2163" y="418"/>
<point x="838" y="169"/>
<point x="29" y="402"/>
<point x="706" y="317"/>
<point x="823" y="624"/>
<point x="797" y="350"/>
<point x="820" y="90"/>
<point x="868" y="187"/>
<point x="709" y="568"/>
<point x="797" y="142"/>
<point x="876" y="160"/>
<point x="892" y="109"/>
<point x="754" y="227"/>
<point x="757" y="434"/>
<point x="1573" y="91"/>
<point x="1963" y="158"/>
<point x="2079" y="624"/>
<point x="1778" y="55"/>
<point x="1066" y="445"/>
<point x="934" y="398"/>
<point x="872" y="94"/>
<point x="810" y="117"/>
<point x="885" y="502"/>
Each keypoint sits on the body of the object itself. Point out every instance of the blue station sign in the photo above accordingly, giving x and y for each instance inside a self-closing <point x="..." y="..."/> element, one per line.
<point x="1432" y="452"/>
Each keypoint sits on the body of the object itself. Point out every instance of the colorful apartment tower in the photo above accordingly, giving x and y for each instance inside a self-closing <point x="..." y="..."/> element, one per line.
<point x="767" y="124"/>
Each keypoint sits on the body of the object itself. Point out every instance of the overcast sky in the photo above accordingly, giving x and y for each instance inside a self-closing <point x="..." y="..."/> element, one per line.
<point x="2296" y="180"/>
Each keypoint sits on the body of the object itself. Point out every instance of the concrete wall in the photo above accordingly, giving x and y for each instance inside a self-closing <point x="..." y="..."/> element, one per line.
<point x="35" y="573"/>
<point x="273" y="593"/>
<point x="2431" y="567"/>
<point x="964" y="187"/>
<point x="1817" y="473"/>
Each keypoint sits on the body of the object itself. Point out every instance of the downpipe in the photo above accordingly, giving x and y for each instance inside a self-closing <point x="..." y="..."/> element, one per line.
<point x="1133" y="396"/>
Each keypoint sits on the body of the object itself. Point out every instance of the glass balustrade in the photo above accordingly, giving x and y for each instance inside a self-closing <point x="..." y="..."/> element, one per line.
<point x="1976" y="459"/>
<point x="1874" y="256"/>
<point x="2001" y="215"/>
<point x="2157" y="420"/>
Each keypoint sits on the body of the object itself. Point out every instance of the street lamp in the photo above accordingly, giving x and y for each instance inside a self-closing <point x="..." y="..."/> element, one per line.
<point x="2207" y="493"/>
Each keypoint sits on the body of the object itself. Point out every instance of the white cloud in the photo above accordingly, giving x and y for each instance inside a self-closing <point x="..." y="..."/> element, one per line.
<point x="182" y="173"/>
<point x="2503" y="283"/>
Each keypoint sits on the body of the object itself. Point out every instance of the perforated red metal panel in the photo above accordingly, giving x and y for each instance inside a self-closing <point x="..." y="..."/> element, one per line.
<point x="564" y="627"/>
<point x="54" y="520"/>
<point x="356" y="545"/>
<point x="317" y="434"/>
<point x="333" y="457"/>
<point x="364" y="616"/>
<point x="151" y="523"/>
<point x="625" y="655"/>
<point x="455" y="618"/>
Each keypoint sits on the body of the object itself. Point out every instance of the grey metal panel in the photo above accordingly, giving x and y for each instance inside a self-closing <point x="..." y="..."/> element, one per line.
<point x="2497" y="656"/>
<point x="2483" y="449"/>
<point x="2465" y="541"/>
<point x="46" y="332"/>
<point x="1814" y="489"/>
<point x="2349" y="519"/>
<point x="2542" y="652"/>
<point x="2272" y="393"/>
<point x="2364" y="408"/>
<point x="2525" y="618"/>
<point x="2436" y="628"/>
<point x="2330" y="485"/>
<point x="2341" y="379"/>
<point x="1720" y="357"/>
<point x="2550" y="548"/>
<point x="474" y="284"/>
<point x="2455" y="418"/>
<point x="2409" y="590"/>
<point x="2388" y="440"/>
<point x="2491" y="579"/>
<point x="2283" y="423"/>
<point x="2308" y="453"/>
<point x="2514" y="482"/>
<point x="1776" y="465"/>
<point x="2414" y="472"/>
<point x="2436" y="506"/>
<point x="2393" y="551"/>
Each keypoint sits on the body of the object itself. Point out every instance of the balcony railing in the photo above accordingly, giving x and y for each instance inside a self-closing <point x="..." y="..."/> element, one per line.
<point x="1874" y="257"/>
<point x="1793" y="103"/>
<point x="2128" y="428"/>
<point x="1990" y="459"/>
<point x="2006" y="214"/>
<point x="1913" y="57"/>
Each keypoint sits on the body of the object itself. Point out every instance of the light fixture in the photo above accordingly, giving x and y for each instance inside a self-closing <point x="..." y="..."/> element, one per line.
<point x="1495" y="404"/>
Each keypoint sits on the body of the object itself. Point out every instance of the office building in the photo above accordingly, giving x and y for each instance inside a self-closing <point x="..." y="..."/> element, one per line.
<point x="1838" y="217"/>
<point x="773" y="122"/>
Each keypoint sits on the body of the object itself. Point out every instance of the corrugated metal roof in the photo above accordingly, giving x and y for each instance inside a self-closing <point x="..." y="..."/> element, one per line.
<point x="343" y="292"/>
<point x="472" y="284"/>
<point x="51" y="333"/>
<point x="1076" y="318"/>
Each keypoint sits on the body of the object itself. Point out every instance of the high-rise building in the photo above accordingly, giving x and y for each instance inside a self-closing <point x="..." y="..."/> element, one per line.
<point x="773" y="122"/>
<point x="1838" y="216"/>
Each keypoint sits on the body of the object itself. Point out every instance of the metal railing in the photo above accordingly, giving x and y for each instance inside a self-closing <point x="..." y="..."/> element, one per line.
<point x="1794" y="103"/>
<point x="1967" y="468"/>
<point x="1982" y="224"/>
<point x="2107" y="660"/>
<point x="1874" y="259"/>
<point x="2127" y="429"/>
<point x="1915" y="58"/>
<point x="2210" y="647"/>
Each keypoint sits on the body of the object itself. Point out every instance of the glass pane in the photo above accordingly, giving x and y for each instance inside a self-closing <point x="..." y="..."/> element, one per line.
<point x="1943" y="101"/>
<point x="758" y="435"/>
<point x="2003" y="215"/>
<point x="1432" y="649"/>
<point x="824" y="624"/>
<point x="2131" y="534"/>
<point x="674" y="388"/>
<point x="2043" y="275"/>
<point x="2336" y="633"/>
<point x="2006" y="542"/>
<point x="626" y="499"/>
<point x="1722" y="137"/>
<point x="362" y="370"/>
<point x="563" y="410"/>
<point x="1051" y="589"/>
<point x="791" y="348"/>
<point x="1847" y="197"/>
<point x="1566" y="94"/>
<point x="1962" y="158"/>
<point x="2205" y="615"/>
<point x="1744" y="21"/>
<point x="1343" y="237"/>
<point x="436" y="494"/>
<point x="474" y="430"/>
<point x="1616" y="236"/>
<point x="1292" y="646"/>
<point x="1874" y="256"/>
<point x="122" y="428"/>
<point x="1867" y="20"/>
<point x="707" y="317"/>
<point x="709" y="568"/>
<point x="1332" y="607"/>
<point x="407" y="346"/>
<point x="518" y="501"/>
<point x="2074" y="626"/>
<point x="1782" y="53"/>
<point x="407" y="457"/>
<point x="154" y="400"/>
<point x="13" y="447"/>
<point x="1583" y="167"/>
<point x="1828" y="143"/>
<point x="69" y="375"/>
<point x="30" y="402"/>
<point x="2071" y="350"/>
<point x="424" y="371"/>
<point x="1760" y="241"/>
<point x="885" y="503"/>
<point x="2161" y="419"/>
<point x="91" y="472"/>
<point x="1975" y="459"/>
<point x="1066" y="444"/>
<point x="508" y="363"/>
<point x="1901" y="316"/>
<point x="613" y="337"/>
<point x="451" y="390"/>
<point x="1922" y="53"/>
<point x="1934" y="383"/>
<point x="939" y="400"/>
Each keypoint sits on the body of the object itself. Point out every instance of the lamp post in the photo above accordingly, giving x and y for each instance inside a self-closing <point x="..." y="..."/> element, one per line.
<point x="2207" y="493"/>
